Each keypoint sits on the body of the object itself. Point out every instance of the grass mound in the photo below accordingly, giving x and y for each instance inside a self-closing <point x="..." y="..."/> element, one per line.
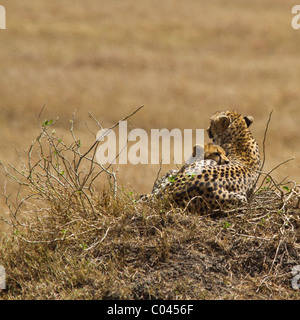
<point x="68" y="241"/>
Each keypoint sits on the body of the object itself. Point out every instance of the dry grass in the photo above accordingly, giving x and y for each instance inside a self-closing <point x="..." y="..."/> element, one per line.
<point x="192" y="58"/>
<point x="68" y="241"/>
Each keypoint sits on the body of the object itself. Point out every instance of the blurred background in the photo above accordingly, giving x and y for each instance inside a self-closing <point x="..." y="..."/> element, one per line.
<point x="182" y="60"/>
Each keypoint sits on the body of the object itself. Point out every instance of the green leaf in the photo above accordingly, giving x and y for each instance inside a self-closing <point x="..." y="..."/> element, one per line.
<point x="172" y="179"/>
<point x="47" y="123"/>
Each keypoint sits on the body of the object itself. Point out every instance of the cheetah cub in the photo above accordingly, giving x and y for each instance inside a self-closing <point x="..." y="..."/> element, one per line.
<point x="210" y="151"/>
<point x="212" y="154"/>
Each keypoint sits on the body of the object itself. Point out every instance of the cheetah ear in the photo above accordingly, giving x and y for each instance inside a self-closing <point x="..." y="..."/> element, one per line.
<point x="224" y="121"/>
<point x="249" y="120"/>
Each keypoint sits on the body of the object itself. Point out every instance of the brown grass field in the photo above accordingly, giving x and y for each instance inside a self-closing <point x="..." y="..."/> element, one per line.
<point x="181" y="60"/>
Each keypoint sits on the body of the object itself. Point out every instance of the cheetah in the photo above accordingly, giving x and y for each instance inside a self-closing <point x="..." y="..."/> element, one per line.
<point x="214" y="153"/>
<point x="211" y="151"/>
<point x="206" y="187"/>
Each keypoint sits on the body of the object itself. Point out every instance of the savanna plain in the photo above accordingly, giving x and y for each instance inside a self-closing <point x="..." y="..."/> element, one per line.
<point x="70" y="230"/>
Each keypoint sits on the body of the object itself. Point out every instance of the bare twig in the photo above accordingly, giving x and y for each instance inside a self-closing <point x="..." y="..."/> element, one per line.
<point x="268" y="174"/>
<point x="48" y="174"/>
<point x="105" y="134"/>
<point x="264" y="140"/>
<point x="40" y="113"/>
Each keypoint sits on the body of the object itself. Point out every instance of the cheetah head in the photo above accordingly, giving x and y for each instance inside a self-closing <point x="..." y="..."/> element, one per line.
<point x="216" y="153"/>
<point x="227" y="125"/>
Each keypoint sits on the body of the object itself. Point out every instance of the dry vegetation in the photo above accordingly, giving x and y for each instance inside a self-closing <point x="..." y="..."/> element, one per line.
<point x="69" y="241"/>
<point x="69" y="235"/>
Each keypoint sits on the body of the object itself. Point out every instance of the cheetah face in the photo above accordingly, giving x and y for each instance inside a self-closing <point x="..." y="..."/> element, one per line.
<point x="216" y="153"/>
<point x="209" y="152"/>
